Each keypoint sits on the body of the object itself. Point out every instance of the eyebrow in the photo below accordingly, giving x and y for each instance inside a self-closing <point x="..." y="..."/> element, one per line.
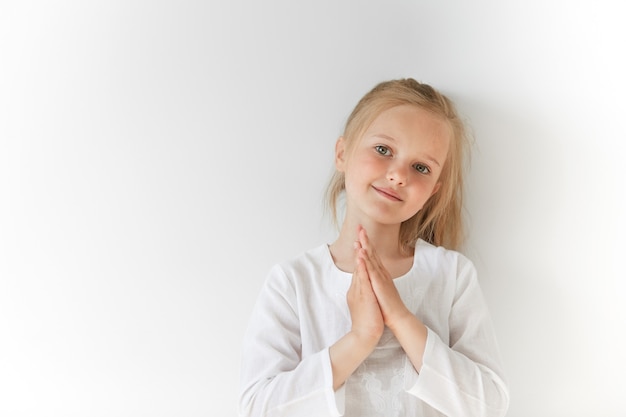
<point x="392" y="139"/>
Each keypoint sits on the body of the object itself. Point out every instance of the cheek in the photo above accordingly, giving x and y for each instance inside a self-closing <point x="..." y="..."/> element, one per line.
<point x="423" y="190"/>
<point x="371" y="164"/>
<point x="364" y="167"/>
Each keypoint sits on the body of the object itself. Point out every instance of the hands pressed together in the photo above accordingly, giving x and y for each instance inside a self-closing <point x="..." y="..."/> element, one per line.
<point x="372" y="298"/>
<point x="374" y="302"/>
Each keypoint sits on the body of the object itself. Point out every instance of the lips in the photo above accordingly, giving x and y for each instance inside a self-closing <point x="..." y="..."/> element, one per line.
<point x="388" y="193"/>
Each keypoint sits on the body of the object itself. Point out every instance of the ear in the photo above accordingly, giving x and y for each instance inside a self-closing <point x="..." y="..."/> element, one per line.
<point x="340" y="154"/>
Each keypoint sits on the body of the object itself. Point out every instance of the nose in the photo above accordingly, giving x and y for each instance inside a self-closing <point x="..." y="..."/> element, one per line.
<point x="397" y="174"/>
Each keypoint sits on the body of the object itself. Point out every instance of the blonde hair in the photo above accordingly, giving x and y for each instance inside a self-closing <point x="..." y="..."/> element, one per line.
<point x="440" y="221"/>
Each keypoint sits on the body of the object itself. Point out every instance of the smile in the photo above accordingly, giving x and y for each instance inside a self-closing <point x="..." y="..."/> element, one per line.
<point x="388" y="193"/>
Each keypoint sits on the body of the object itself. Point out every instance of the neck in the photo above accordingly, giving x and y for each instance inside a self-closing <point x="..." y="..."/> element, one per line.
<point x="384" y="238"/>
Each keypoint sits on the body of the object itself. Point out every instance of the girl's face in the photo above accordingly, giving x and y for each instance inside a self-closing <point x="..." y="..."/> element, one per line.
<point x="395" y="166"/>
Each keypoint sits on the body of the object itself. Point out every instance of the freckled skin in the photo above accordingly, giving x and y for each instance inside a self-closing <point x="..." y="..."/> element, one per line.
<point x="403" y="150"/>
<point x="389" y="175"/>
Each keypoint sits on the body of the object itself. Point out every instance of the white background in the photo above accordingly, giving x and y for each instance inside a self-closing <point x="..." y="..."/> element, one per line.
<point x="157" y="157"/>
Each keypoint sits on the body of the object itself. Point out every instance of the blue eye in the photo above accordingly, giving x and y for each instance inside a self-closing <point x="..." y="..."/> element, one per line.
<point x="383" y="150"/>
<point x="422" y="169"/>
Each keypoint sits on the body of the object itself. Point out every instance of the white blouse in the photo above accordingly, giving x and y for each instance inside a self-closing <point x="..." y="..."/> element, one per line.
<point x="302" y="311"/>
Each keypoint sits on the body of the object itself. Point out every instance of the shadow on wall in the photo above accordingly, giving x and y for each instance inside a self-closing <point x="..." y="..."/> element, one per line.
<point x="515" y="204"/>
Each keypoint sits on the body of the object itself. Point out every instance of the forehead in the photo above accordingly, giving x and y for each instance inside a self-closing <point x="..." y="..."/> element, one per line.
<point x="409" y="123"/>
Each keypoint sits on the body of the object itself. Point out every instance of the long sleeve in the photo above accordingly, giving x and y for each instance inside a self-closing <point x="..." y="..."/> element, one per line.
<point x="302" y="310"/>
<point x="276" y="379"/>
<point x="463" y="376"/>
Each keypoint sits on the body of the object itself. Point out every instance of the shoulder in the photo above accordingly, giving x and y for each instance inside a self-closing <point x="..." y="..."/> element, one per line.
<point x="311" y="259"/>
<point x="441" y="259"/>
<point x="453" y="272"/>
<point x="302" y="268"/>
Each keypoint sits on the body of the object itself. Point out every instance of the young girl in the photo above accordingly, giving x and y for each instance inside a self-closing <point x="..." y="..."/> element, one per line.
<point x="384" y="321"/>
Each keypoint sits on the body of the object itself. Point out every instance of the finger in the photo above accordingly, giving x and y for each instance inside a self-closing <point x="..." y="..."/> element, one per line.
<point x="372" y="254"/>
<point x="369" y="254"/>
<point x="375" y="259"/>
<point x="357" y="247"/>
<point x="373" y="269"/>
<point x="360" y="276"/>
<point x="365" y="243"/>
<point x="361" y="268"/>
<point x="362" y="237"/>
<point x="358" y="270"/>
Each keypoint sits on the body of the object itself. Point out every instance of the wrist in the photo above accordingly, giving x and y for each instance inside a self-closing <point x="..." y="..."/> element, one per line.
<point x="402" y="319"/>
<point x="366" y="340"/>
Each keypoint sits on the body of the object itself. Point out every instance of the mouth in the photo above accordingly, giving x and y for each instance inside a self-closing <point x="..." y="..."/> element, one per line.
<point x="387" y="193"/>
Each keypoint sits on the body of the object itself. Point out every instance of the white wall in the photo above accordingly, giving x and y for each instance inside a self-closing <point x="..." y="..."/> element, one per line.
<point x="156" y="158"/>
